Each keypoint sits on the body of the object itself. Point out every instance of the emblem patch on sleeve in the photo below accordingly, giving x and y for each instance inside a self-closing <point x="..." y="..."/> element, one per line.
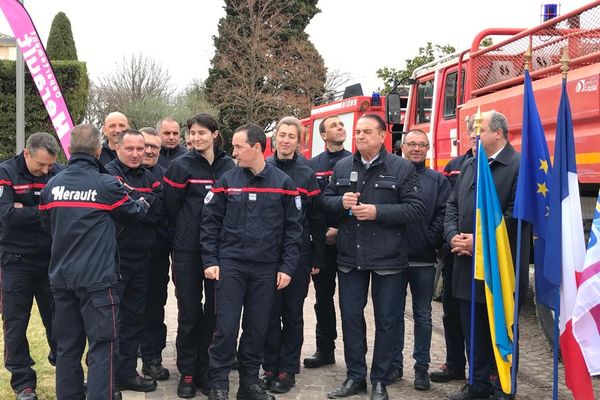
<point x="209" y="196"/>
<point x="298" y="202"/>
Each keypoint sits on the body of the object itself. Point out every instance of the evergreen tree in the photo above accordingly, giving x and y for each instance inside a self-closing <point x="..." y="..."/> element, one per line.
<point x="61" y="45"/>
<point x="264" y="66"/>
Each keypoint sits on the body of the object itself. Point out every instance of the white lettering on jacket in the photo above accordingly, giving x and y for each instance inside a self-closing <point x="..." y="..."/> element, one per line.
<point x="59" y="193"/>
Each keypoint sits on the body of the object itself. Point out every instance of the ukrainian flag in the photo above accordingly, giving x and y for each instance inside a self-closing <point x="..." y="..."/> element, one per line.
<point x="493" y="265"/>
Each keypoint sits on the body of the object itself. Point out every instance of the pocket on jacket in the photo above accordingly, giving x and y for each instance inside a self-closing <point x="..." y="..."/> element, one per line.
<point x="105" y="304"/>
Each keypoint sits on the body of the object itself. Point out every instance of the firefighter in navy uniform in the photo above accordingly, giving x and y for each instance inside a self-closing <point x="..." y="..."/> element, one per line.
<point x="187" y="181"/>
<point x="135" y="242"/>
<point x="154" y="339"/>
<point x="286" y="328"/>
<point x="168" y="129"/>
<point x="250" y="232"/>
<point x="334" y="134"/>
<point x="24" y="256"/>
<point x="79" y="208"/>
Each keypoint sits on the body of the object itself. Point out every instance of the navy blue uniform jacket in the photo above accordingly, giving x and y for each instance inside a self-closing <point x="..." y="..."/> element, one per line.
<point x="255" y="218"/>
<point x="79" y="207"/>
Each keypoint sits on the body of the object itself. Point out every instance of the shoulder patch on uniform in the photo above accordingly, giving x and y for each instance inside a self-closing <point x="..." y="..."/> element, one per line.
<point x="298" y="201"/>
<point x="209" y="196"/>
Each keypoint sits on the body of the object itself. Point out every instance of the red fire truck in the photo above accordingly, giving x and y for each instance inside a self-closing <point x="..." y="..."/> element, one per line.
<point x="447" y="91"/>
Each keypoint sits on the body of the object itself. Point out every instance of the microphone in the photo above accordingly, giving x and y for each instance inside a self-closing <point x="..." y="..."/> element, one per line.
<point x="353" y="182"/>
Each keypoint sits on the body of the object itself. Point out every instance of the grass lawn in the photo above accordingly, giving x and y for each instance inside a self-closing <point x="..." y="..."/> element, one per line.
<point x="39" y="352"/>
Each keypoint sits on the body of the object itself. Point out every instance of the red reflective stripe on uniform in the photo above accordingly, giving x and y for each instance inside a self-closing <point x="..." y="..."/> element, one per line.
<point x="156" y="184"/>
<point x="309" y="194"/>
<point x="30" y="186"/>
<point x="256" y="190"/>
<point x="324" y="173"/>
<point x="455" y="172"/>
<point x="145" y="190"/>
<point x="201" y="181"/>
<point x="175" y="184"/>
<point x="7" y="183"/>
<point x="83" y="204"/>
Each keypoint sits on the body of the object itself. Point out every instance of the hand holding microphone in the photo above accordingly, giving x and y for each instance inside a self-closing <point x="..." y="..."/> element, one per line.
<point x="350" y="199"/>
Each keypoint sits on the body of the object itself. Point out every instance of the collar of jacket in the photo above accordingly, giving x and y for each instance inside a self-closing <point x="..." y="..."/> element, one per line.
<point x="22" y="165"/>
<point x="126" y="170"/>
<point x="285" y="163"/>
<point x="261" y="174"/>
<point x="381" y="159"/>
<point x="165" y="151"/>
<point x="219" y="153"/>
<point x="87" y="158"/>
<point x="506" y="155"/>
<point x="334" y="153"/>
<point x="419" y="166"/>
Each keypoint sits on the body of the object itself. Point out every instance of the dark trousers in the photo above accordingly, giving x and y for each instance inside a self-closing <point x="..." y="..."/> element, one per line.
<point x="483" y="362"/>
<point x="132" y="288"/>
<point x="324" y="282"/>
<point x="455" y="341"/>
<point x="82" y="314"/>
<point x="251" y="286"/>
<point x="421" y="281"/>
<point x="154" y="339"/>
<point x="196" y="322"/>
<point x="22" y="281"/>
<point x="385" y="292"/>
<point x="285" y="335"/>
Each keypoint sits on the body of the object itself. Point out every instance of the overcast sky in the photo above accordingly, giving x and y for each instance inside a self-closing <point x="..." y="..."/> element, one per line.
<point x="356" y="37"/>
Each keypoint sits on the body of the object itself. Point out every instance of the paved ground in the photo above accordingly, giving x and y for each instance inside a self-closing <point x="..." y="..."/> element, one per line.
<point x="535" y="376"/>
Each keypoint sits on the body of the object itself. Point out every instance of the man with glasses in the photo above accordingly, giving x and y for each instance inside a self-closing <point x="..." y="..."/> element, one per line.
<point x="424" y="238"/>
<point x="154" y="339"/>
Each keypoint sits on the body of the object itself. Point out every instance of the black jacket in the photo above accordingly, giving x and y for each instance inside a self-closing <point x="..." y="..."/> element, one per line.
<point x="107" y="155"/>
<point x="252" y="217"/>
<point x="323" y="165"/>
<point x="168" y="155"/>
<point x="164" y="236"/>
<point x="313" y="228"/>
<point x="452" y="169"/>
<point x="459" y="219"/>
<point x="426" y="236"/>
<point x="392" y="184"/>
<point x="187" y="181"/>
<point x="20" y="228"/>
<point x="77" y="207"/>
<point x="138" y="237"/>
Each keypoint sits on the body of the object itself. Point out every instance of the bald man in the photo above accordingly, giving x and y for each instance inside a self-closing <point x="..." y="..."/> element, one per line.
<point x="114" y="123"/>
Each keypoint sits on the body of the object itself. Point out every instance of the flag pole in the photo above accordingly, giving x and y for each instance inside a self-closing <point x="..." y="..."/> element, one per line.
<point x="477" y="120"/>
<point x="515" y="344"/>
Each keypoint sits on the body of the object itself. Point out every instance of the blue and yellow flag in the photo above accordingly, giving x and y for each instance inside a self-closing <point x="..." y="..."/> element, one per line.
<point x="493" y="265"/>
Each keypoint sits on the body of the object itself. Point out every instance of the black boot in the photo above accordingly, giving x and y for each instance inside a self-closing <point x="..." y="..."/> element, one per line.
<point x="155" y="370"/>
<point x="218" y="394"/>
<point x="27" y="394"/>
<point x="186" y="388"/>
<point x="137" y="383"/>
<point x="284" y="383"/>
<point x="253" y="392"/>
<point x="319" y="359"/>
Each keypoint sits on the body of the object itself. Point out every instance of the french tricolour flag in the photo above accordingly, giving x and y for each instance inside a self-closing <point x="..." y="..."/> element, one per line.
<point x="565" y="247"/>
<point x="586" y="314"/>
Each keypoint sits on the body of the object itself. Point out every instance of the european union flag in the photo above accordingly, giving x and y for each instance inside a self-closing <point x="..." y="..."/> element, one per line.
<point x="531" y="198"/>
<point x="493" y="264"/>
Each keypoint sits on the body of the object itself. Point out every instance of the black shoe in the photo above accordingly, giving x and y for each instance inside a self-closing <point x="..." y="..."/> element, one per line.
<point x="446" y="374"/>
<point x="186" y="388"/>
<point x="319" y="359"/>
<point x="379" y="392"/>
<point x="155" y="370"/>
<point x="201" y="382"/>
<point x="396" y="373"/>
<point x="466" y="394"/>
<point x="27" y="394"/>
<point x="138" y="383"/>
<point x="284" y="383"/>
<point x="253" y="392"/>
<point x="218" y="394"/>
<point x="348" y="388"/>
<point x="422" y="380"/>
<point x="267" y="380"/>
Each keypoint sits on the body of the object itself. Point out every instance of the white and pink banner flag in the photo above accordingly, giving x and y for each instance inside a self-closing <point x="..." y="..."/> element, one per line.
<point x="40" y="68"/>
<point x="586" y="314"/>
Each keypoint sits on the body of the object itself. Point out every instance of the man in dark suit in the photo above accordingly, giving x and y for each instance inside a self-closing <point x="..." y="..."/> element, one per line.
<point x="458" y="228"/>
